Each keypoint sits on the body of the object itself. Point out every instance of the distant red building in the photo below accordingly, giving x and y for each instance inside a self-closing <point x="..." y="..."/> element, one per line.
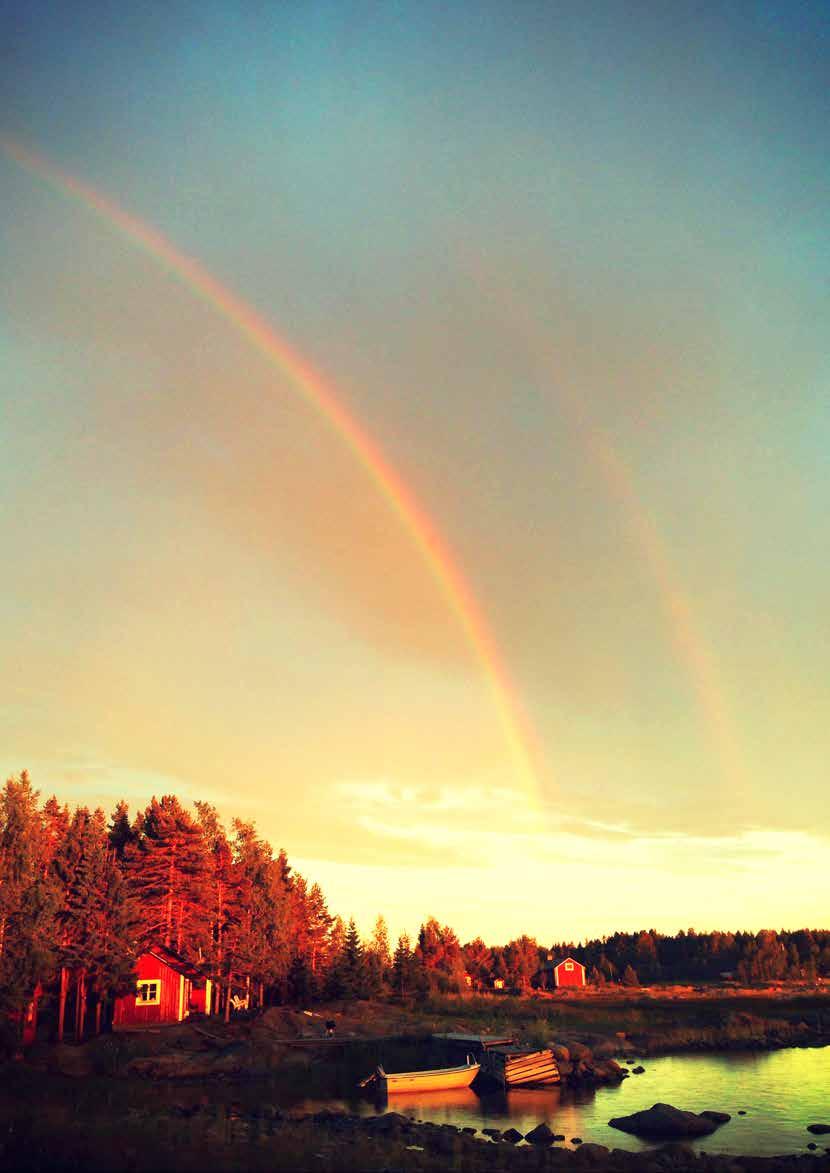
<point x="168" y="989"/>
<point x="568" y="972"/>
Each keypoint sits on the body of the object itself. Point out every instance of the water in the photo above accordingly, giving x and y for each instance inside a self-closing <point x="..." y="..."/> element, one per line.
<point x="780" y="1091"/>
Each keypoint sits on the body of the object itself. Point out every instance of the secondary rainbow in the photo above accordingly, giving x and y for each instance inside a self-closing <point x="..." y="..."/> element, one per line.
<point x="320" y="394"/>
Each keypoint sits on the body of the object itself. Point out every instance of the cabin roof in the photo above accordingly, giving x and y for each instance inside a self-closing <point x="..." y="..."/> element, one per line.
<point x="174" y="961"/>
<point x="549" y="966"/>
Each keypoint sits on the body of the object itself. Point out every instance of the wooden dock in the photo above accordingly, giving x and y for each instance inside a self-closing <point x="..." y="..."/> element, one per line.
<point x="474" y="1042"/>
<point x="512" y="1066"/>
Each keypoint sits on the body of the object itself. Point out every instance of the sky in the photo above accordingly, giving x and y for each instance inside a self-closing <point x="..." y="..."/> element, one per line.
<point x="548" y="654"/>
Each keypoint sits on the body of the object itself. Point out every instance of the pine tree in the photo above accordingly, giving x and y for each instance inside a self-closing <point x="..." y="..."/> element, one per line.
<point x="378" y="959"/>
<point x="353" y="963"/>
<point x="402" y="966"/>
<point x="121" y="834"/>
<point x="168" y="874"/>
<point x="27" y="899"/>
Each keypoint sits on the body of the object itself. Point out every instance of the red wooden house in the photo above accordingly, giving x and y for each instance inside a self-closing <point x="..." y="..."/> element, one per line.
<point x="168" y="989"/>
<point x="568" y="972"/>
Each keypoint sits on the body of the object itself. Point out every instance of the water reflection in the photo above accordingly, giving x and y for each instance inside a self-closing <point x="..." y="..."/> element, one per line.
<point x="781" y="1092"/>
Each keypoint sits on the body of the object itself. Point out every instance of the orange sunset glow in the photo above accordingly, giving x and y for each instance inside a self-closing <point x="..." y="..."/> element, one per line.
<point x="415" y="442"/>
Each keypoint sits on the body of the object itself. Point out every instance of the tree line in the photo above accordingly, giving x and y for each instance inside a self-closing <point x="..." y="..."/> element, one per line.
<point x="82" y="895"/>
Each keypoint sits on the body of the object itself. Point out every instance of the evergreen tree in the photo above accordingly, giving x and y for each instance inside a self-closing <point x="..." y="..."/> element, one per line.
<point x="378" y="959"/>
<point x="353" y="964"/>
<point x="403" y="967"/>
<point x="168" y="875"/>
<point x="121" y="834"/>
<point x="27" y="899"/>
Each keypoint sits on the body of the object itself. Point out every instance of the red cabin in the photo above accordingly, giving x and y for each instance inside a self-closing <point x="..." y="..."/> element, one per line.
<point x="568" y="972"/>
<point x="168" y="989"/>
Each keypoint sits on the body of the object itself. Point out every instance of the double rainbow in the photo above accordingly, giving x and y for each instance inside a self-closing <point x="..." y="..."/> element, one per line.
<point x="320" y="395"/>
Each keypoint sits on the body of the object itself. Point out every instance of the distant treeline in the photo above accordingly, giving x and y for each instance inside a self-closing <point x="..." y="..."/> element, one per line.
<point x="81" y="895"/>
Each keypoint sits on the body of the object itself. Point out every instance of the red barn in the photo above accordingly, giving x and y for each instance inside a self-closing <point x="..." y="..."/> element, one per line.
<point x="568" y="972"/>
<point x="168" y="988"/>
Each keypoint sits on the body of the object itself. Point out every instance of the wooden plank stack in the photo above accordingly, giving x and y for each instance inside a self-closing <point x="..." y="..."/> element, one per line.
<point x="512" y="1066"/>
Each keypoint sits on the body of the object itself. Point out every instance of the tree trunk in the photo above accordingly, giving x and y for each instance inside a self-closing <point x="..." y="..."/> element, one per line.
<point x="62" y="1001"/>
<point x="98" y="1017"/>
<point x="228" y="1002"/>
<point x="262" y="995"/>
<point x="248" y="990"/>
<point x="169" y="910"/>
<point x="81" y="1005"/>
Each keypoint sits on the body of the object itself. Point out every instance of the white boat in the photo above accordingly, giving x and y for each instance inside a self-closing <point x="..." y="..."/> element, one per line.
<point x="439" y="1079"/>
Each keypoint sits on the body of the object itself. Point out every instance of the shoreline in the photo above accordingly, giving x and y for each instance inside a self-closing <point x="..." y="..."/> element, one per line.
<point x="72" y="1108"/>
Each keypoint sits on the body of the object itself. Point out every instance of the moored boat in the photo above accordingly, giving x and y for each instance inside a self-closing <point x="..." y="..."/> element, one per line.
<point x="439" y="1079"/>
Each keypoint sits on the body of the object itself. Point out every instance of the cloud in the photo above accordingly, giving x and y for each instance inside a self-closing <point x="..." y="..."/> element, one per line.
<point x="91" y="782"/>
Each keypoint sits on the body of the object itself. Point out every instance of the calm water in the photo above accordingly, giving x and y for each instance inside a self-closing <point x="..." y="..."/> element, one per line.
<point x="781" y="1092"/>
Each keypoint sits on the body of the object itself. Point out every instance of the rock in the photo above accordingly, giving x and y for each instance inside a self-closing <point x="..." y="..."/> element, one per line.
<point x="576" y="1140"/>
<point x="512" y="1135"/>
<point x="664" y="1120"/>
<point x="389" y="1122"/>
<point x="495" y="1133"/>
<point x="590" y="1153"/>
<point x="560" y="1053"/>
<point x="579" y="1051"/>
<point x="742" y="1111"/>
<point x="446" y="1143"/>
<point x="812" y="1146"/>
<point x="638" y="1070"/>
<point x="718" y="1117"/>
<point x="469" y="1130"/>
<point x="541" y="1134"/>
<point x="818" y="1129"/>
<point x="559" y="1136"/>
<point x="676" y="1155"/>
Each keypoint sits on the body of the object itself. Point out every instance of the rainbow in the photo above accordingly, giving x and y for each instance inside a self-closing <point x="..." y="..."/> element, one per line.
<point x="321" y="396"/>
<point x="692" y="650"/>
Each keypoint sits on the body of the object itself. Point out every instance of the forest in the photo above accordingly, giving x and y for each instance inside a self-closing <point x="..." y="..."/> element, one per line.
<point x="81" y="895"/>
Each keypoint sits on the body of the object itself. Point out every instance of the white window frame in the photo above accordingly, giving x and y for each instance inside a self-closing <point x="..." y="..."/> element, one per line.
<point x="148" y="984"/>
<point x="569" y="966"/>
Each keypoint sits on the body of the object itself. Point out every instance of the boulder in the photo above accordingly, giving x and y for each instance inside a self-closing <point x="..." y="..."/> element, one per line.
<point x="388" y="1123"/>
<point x="676" y="1155"/>
<point x="818" y="1129"/>
<point x="512" y="1135"/>
<point x="541" y="1134"/>
<point x="638" y="1070"/>
<point x="591" y="1154"/>
<point x="718" y="1117"/>
<point x="664" y="1120"/>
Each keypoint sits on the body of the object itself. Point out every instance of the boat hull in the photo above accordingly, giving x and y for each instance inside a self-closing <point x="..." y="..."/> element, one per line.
<point x="443" y="1079"/>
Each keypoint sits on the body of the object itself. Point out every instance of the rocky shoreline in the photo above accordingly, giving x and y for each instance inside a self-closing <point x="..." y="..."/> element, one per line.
<point x="391" y="1141"/>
